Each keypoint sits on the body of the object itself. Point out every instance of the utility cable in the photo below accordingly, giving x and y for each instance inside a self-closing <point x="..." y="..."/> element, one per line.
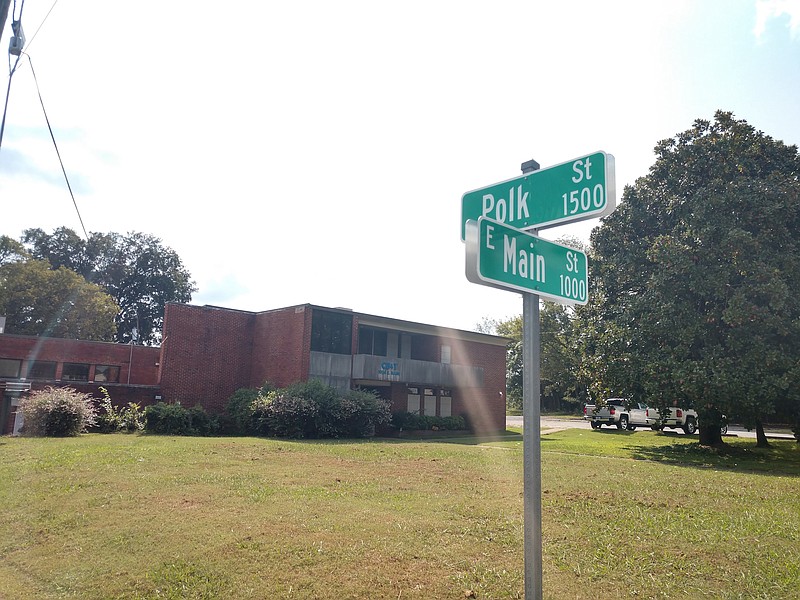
<point x="35" y="33"/>
<point x="8" y="94"/>
<point x="11" y="70"/>
<point x="61" y="162"/>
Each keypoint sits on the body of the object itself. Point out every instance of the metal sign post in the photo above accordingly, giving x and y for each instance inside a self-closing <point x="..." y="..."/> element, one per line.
<point x="504" y="251"/>
<point x="531" y="432"/>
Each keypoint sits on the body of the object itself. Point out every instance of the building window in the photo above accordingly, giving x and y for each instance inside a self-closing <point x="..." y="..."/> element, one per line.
<point x="75" y="372"/>
<point x="405" y="346"/>
<point x="106" y="373"/>
<point x="445" y="355"/>
<point x="429" y="404"/>
<point x="331" y="332"/>
<point x="372" y="341"/>
<point x="424" y="347"/>
<point x="9" y="367"/>
<point x="445" y="403"/>
<point x="41" y="369"/>
<point x="413" y="400"/>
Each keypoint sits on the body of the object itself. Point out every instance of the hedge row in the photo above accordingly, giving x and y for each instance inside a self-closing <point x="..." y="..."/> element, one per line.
<point x="303" y="410"/>
<point x="309" y="410"/>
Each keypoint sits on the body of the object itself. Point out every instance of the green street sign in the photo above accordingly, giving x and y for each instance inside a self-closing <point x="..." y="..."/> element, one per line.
<point x="579" y="189"/>
<point x="510" y="259"/>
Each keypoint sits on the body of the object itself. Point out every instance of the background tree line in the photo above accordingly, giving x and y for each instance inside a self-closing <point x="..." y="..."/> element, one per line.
<point x="110" y="287"/>
<point x="693" y="287"/>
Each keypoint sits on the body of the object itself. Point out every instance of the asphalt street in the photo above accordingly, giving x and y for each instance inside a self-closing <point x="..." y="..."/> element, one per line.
<point x="556" y="423"/>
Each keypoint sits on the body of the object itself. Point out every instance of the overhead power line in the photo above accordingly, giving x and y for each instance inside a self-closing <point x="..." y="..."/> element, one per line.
<point x="53" y="137"/>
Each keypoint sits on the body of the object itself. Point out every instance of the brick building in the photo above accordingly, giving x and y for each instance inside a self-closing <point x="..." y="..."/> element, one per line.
<point x="209" y="352"/>
<point x="130" y="373"/>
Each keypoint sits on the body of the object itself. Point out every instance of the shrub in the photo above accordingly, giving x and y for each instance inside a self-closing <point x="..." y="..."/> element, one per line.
<point x="240" y="407"/>
<point x="130" y="418"/>
<point x="174" y="419"/>
<point x="308" y="409"/>
<point x="413" y="421"/>
<point x="57" y="412"/>
<point x="282" y="414"/>
<point x="312" y="409"/>
<point x="108" y="420"/>
<point x="201" y="422"/>
<point x="360" y="414"/>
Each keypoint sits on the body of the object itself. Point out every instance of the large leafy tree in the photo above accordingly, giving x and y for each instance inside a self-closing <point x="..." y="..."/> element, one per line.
<point x="137" y="270"/>
<point x="695" y="278"/>
<point x="562" y="377"/>
<point x="11" y="250"/>
<point x="38" y="300"/>
<point x="561" y="380"/>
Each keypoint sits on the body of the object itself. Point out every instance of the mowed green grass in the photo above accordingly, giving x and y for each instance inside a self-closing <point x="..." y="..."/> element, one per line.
<point x="640" y="515"/>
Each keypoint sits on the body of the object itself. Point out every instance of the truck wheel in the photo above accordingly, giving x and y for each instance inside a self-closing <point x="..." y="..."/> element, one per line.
<point x="595" y="425"/>
<point x="690" y="427"/>
<point x="622" y="424"/>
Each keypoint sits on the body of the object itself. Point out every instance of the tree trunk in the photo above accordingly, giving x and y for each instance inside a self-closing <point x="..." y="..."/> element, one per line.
<point x="710" y="436"/>
<point x="761" y="437"/>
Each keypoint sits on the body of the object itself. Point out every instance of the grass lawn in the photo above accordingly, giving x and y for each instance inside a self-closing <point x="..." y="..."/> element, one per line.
<point x="625" y="515"/>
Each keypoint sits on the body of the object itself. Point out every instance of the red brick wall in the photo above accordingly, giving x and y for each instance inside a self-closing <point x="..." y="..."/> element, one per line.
<point x="145" y="395"/>
<point x="281" y="346"/>
<point x="484" y="406"/>
<point x="142" y="362"/>
<point x="206" y="354"/>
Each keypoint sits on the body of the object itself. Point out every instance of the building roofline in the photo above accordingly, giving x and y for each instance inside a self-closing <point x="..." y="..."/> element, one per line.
<point x="386" y="323"/>
<point x="61" y="339"/>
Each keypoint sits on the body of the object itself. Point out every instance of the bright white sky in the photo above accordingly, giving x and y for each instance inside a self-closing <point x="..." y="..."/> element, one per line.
<point x="317" y="151"/>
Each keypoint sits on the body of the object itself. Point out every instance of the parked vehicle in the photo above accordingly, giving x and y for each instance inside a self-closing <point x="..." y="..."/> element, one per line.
<point x="680" y="418"/>
<point x="619" y="413"/>
<point x="677" y="418"/>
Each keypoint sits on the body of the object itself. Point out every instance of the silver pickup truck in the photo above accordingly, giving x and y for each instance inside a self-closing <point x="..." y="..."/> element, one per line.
<point x="619" y="413"/>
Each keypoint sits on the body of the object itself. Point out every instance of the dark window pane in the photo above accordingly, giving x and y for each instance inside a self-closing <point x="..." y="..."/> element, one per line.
<point x="331" y="332"/>
<point x="379" y="345"/>
<point x="365" y="337"/>
<point x="9" y="367"/>
<point x="372" y="341"/>
<point x="41" y="369"/>
<point x="75" y="372"/>
<point x="424" y="347"/>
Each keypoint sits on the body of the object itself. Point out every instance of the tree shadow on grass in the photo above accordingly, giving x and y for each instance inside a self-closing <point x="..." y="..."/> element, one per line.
<point x="781" y="458"/>
<point x="456" y="437"/>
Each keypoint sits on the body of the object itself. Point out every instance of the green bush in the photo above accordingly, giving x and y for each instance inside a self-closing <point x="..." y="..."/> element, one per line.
<point x="174" y="419"/>
<point x="57" y="412"/>
<point x="129" y="418"/>
<point x="312" y="410"/>
<point x="412" y="421"/>
<point x="240" y="407"/>
<point x="281" y="414"/>
<point x="356" y="414"/>
<point x="108" y="419"/>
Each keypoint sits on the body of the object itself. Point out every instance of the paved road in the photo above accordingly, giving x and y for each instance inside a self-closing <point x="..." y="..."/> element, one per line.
<point x="562" y="423"/>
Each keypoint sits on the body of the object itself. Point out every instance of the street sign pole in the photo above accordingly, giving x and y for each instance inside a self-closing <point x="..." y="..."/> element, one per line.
<point x="531" y="434"/>
<point x="499" y="225"/>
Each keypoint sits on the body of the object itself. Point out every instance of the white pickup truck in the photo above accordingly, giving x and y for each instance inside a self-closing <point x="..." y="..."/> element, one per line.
<point x="618" y="412"/>
<point x="677" y="418"/>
